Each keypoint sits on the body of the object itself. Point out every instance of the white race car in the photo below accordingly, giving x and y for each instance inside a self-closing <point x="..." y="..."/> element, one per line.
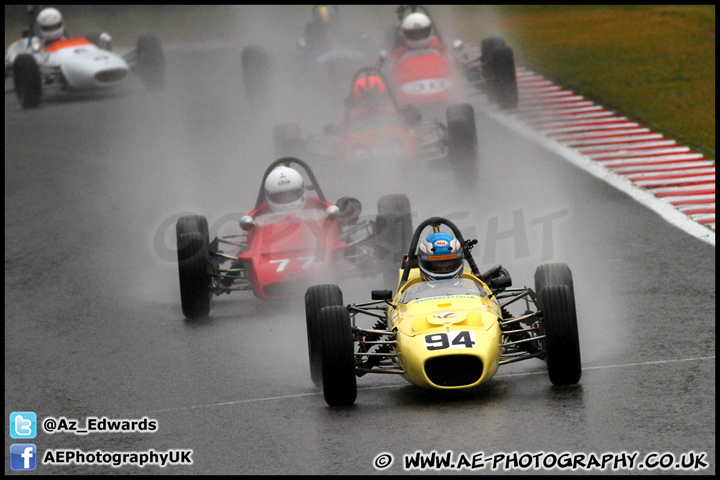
<point x="79" y="64"/>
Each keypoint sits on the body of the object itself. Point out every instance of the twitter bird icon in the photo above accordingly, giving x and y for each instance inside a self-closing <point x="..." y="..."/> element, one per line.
<point x="23" y="425"/>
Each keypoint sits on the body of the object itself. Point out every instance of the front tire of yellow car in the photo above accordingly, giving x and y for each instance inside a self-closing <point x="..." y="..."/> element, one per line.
<point x="337" y="357"/>
<point x="317" y="297"/>
<point x="561" y="335"/>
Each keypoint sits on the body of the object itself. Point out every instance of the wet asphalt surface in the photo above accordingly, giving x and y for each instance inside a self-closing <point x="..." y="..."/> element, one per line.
<point x="93" y="325"/>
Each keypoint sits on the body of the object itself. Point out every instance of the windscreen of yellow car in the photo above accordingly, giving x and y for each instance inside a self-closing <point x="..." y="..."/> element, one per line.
<point x="442" y="288"/>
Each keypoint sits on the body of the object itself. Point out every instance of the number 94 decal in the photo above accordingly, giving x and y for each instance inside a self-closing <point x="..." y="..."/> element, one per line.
<point x="443" y="340"/>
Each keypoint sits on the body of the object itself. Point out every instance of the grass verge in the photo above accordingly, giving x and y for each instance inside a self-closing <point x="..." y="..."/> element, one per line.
<point x="654" y="63"/>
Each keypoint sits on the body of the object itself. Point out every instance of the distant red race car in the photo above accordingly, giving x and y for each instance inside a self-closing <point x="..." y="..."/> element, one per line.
<point x="379" y="134"/>
<point x="439" y="74"/>
<point x="384" y="130"/>
<point x="281" y="253"/>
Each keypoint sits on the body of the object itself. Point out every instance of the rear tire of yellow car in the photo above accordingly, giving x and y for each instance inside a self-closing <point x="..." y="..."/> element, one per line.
<point x="27" y="81"/>
<point x="193" y="258"/>
<point x="317" y="297"/>
<point x="562" y="344"/>
<point x="337" y="356"/>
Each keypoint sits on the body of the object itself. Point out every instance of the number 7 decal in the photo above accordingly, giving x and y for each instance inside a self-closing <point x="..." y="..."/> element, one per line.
<point x="308" y="261"/>
<point x="283" y="262"/>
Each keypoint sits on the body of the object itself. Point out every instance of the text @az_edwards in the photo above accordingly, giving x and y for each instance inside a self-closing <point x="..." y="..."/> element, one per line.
<point x="53" y="425"/>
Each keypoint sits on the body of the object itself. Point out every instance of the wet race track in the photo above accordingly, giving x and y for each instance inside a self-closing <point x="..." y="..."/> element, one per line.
<point x="93" y="325"/>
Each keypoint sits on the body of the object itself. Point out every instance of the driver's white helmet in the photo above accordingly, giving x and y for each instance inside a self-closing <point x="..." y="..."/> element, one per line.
<point x="285" y="189"/>
<point x="50" y="22"/>
<point x="417" y="30"/>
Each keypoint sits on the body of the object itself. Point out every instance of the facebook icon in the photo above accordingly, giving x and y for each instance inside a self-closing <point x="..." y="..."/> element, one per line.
<point x="23" y="456"/>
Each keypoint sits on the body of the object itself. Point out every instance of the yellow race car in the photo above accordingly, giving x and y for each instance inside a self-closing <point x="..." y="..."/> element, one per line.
<point x="443" y="334"/>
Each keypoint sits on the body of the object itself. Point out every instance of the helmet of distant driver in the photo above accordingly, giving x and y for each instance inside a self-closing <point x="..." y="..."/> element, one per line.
<point x="50" y="23"/>
<point x="417" y="30"/>
<point x="369" y="91"/>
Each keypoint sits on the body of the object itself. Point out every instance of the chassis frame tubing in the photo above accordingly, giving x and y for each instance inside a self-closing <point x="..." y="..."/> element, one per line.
<point x="515" y="294"/>
<point x="512" y="356"/>
<point x="371" y="309"/>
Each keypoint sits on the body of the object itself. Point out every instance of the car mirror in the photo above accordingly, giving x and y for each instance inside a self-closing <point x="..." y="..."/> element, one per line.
<point x="501" y="282"/>
<point x="494" y="271"/>
<point x="381" y="294"/>
<point x="332" y="212"/>
<point x="350" y="209"/>
<point x="247" y="223"/>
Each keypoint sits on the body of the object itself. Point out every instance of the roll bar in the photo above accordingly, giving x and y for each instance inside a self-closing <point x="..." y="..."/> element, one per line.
<point x="435" y="222"/>
<point x="287" y="161"/>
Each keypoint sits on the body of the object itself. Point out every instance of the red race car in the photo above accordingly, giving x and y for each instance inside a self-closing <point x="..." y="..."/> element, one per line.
<point x="378" y="134"/>
<point x="426" y="71"/>
<point x="374" y="125"/>
<point x="291" y="239"/>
